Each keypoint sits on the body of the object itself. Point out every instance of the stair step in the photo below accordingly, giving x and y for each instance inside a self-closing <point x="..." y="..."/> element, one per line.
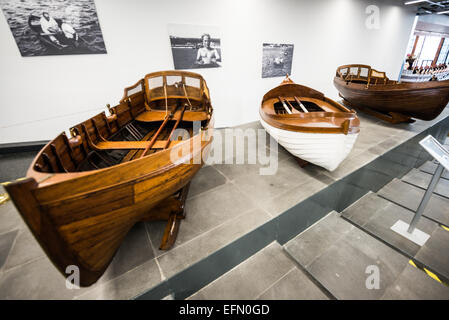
<point x="376" y="215"/>
<point x="431" y="167"/>
<point x="341" y="261"/>
<point x="268" y="274"/>
<point x="410" y="197"/>
<point x="414" y="284"/>
<point x="422" y="179"/>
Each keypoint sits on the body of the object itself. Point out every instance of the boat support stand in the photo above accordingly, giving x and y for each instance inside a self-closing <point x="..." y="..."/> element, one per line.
<point x="391" y="117"/>
<point x="172" y="209"/>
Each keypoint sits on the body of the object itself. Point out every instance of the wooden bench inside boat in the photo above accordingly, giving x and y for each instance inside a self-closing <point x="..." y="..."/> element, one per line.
<point x="80" y="203"/>
<point x="141" y="124"/>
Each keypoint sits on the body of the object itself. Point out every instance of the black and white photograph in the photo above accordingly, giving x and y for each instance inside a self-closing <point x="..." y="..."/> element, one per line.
<point x="195" y="47"/>
<point x="51" y="27"/>
<point x="277" y="60"/>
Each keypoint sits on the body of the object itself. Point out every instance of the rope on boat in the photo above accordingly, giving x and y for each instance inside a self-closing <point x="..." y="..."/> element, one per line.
<point x="166" y="100"/>
<point x="187" y="97"/>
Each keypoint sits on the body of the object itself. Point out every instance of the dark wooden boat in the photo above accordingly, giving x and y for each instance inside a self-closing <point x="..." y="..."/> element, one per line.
<point x="78" y="43"/>
<point x="365" y="88"/>
<point x="309" y="125"/>
<point x="82" y="194"/>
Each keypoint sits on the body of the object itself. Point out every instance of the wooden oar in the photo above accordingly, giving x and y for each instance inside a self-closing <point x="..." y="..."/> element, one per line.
<point x="284" y="105"/>
<point x="174" y="127"/>
<point x="301" y="105"/>
<point x="153" y="140"/>
<point x="291" y="106"/>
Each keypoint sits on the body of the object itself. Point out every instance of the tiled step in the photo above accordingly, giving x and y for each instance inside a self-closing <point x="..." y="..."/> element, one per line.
<point x="339" y="256"/>
<point x="430" y="167"/>
<point x="377" y="215"/>
<point x="410" y="197"/>
<point x="414" y="284"/>
<point x="422" y="179"/>
<point x="269" y="274"/>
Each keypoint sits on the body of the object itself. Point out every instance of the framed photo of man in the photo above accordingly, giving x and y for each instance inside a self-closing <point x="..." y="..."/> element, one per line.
<point x="54" y="27"/>
<point x="195" y="47"/>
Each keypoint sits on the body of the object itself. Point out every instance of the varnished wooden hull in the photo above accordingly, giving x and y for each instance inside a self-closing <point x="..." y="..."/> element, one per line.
<point x="420" y="100"/>
<point x="77" y="214"/>
<point x="80" y="204"/>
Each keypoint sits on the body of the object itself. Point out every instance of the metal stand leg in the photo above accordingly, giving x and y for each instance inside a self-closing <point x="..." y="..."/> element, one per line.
<point x="426" y="198"/>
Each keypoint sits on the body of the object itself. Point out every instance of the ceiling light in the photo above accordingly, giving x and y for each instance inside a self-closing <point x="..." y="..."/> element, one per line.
<point x="415" y="1"/>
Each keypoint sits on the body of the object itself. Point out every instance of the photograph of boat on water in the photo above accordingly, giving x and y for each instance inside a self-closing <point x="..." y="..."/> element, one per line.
<point x="195" y="47"/>
<point x="50" y="27"/>
<point x="277" y="60"/>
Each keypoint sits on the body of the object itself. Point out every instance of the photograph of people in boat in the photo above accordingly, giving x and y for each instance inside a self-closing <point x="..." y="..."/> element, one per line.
<point x="277" y="60"/>
<point x="195" y="47"/>
<point x="51" y="27"/>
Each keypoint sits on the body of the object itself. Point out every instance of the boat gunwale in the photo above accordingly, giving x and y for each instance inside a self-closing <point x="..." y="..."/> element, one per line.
<point x="397" y="86"/>
<point x="46" y="179"/>
<point x="279" y="120"/>
<point x="274" y="122"/>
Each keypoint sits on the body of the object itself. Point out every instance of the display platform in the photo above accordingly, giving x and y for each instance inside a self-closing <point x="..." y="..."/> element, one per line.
<point x="232" y="213"/>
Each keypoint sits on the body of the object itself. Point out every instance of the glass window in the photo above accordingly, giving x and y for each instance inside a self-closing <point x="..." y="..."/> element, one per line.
<point x="443" y="53"/>
<point x="171" y="80"/>
<point x="192" y="82"/>
<point x="411" y="43"/>
<point x="364" y="72"/>
<point x="155" y="82"/>
<point x="354" y="71"/>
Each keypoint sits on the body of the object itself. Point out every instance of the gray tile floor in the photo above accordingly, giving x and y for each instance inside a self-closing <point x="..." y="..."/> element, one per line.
<point x="225" y="203"/>
<point x="332" y="259"/>
<point x="269" y="274"/>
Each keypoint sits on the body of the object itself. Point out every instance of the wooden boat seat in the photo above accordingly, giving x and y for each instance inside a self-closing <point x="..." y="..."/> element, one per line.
<point x="153" y="116"/>
<point x="132" y="145"/>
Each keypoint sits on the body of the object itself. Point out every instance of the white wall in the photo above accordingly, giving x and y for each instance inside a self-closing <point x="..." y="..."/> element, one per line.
<point x="42" y="96"/>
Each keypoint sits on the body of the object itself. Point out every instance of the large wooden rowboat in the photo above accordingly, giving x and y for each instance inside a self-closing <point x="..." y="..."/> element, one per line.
<point x="370" y="90"/>
<point x="309" y="125"/>
<point x="83" y="194"/>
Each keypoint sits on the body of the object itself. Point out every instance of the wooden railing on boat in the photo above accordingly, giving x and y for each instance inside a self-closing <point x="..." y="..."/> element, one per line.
<point x="360" y="73"/>
<point x="145" y="102"/>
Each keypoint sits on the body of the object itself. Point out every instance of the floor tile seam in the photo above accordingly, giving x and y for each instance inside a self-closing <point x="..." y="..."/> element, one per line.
<point x="207" y="191"/>
<point x="355" y="202"/>
<point x="259" y="205"/>
<point x="309" y="275"/>
<point x="9" y="254"/>
<point x="163" y="277"/>
<point x="102" y="285"/>
<point x="327" y="249"/>
<point x="309" y="227"/>
<point x="403" y="253"/>
<point x="414" y="212"/>
<point x="275" y="282"/>
<point x="442" y="177"/>
<point x="425" y="189"/>
<point x="208" y="231"/>
<point x="247" y="260"/>
<point x="24" y="264"/>
<point x="382" y="242"/>
<point x="6" y="232"/>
